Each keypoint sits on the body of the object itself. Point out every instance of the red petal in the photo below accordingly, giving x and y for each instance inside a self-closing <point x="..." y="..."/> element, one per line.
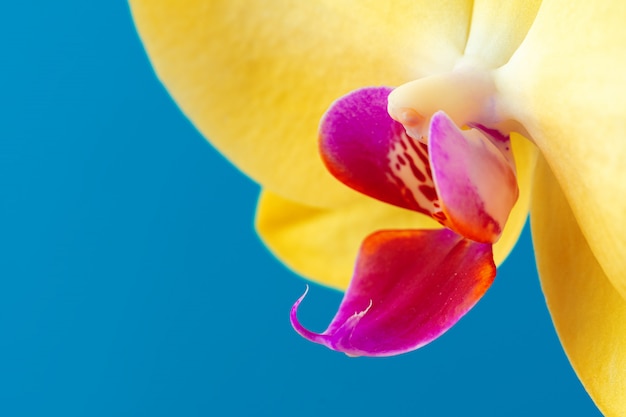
<point x="409" y="287"/>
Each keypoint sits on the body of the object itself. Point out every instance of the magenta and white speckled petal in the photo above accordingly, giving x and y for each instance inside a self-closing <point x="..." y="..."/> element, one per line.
<point x="474" y="177"/>
<point x="367" y="150"/>
<point x="408" y="288"/>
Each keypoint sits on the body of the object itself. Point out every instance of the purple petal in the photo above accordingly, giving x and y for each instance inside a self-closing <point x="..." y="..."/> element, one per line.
<point x="475" y="178"/>
<point x="409" y="287"/>
<point x="367" y="150"/>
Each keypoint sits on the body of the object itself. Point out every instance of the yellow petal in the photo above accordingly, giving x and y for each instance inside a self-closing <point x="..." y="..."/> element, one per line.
<point x="322" y="244"/>
<point x="255" y="77"/>
<point x="566" y="84"/>
<point x="589" y="315"/>
<point x="498" y="28"/>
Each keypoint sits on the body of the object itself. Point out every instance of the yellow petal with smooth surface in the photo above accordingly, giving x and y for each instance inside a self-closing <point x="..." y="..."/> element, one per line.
<point x="322" y="244"/>
<point x="498" y="28"/>
<point x="255" y="77"/>
<point x="587" y="311"/>
<point x="566" y="84"/>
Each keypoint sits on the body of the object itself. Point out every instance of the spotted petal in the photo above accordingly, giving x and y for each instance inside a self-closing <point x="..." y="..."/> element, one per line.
<point x="367" y="150"/>
<point x="409" y="287"/>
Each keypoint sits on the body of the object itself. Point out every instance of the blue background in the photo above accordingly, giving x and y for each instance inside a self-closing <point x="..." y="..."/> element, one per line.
<point x="133" y="283"/>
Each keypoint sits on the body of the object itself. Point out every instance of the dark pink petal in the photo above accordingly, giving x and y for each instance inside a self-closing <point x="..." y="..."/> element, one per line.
<point x="369" y="151"/>
<point x="474" y="176"/>
<point x="409" y="287"/>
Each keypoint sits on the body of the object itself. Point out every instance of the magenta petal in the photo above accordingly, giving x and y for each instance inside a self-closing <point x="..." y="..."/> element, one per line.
<point x="367" y="150"/>
<point x="409" y="287"/>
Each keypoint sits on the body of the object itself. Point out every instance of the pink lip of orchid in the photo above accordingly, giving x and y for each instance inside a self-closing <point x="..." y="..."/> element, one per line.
<point x="411" y="286"/>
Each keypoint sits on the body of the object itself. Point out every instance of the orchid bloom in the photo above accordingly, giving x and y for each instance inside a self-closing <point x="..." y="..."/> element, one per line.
<point x="448" y="121"/>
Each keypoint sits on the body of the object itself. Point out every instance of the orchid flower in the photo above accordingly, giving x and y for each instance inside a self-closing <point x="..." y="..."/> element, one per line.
<point x="448" y="121"/>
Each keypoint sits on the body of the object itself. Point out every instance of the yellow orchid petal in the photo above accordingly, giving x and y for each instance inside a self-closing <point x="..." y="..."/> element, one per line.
<point x="566" y="85"/>
<point x="256" y="77"/>
<point x="498" y="28"/>
<point x="322" y="244"/>
<point x="588" y="313"/>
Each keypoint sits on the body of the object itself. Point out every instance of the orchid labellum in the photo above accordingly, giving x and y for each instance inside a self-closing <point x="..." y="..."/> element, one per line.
<point x="439" y="125"/>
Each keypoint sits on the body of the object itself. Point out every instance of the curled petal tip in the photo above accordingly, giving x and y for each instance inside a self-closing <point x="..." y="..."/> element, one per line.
<point x="293" y="317"/>
<point x="300" y="329"/>
<point x="332" y="337"/>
